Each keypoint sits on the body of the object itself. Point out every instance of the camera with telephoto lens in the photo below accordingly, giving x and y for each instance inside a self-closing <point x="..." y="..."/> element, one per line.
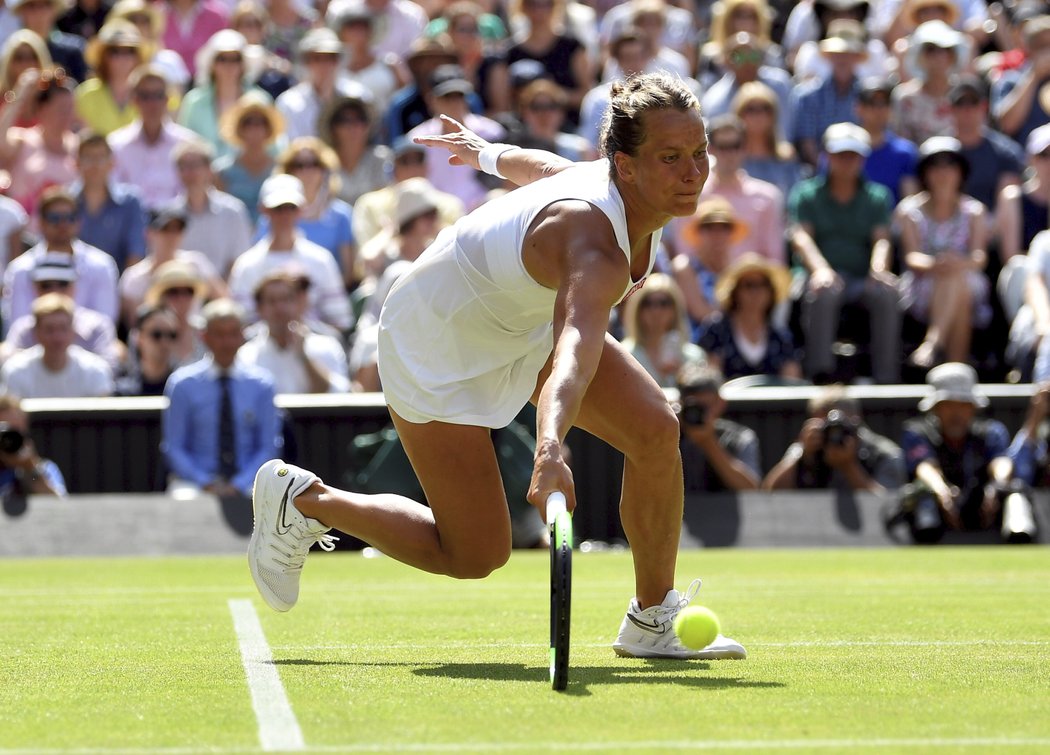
<point x="11" y="440"/>
<point x="837" y="427"/>
<point x="693" y="413"/>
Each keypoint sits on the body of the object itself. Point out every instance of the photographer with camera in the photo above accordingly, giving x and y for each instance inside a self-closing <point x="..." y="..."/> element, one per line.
<point x="958" y="464"/>
<point x="22" y="470"/>
<point x="717" y="454"/>
<point x="835" y="449"/>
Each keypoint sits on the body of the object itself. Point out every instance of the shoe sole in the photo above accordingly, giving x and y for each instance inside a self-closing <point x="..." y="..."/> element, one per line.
<point x="263" y="523"/>
<point x="726" y="654"/>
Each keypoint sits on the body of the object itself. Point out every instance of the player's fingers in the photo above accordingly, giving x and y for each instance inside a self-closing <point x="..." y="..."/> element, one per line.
<point x="450" y="125"/>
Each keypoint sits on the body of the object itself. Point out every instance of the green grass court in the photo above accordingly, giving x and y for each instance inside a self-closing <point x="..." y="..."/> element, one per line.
<point x="909" y="650"/>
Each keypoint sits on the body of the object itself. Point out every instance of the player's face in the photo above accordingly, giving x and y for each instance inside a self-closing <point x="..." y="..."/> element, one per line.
<point x="672" y="166"/>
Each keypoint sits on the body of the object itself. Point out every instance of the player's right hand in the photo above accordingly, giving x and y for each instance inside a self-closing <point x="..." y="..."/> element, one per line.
<point x="550" y="473"/>
<point x="463" y="143"/>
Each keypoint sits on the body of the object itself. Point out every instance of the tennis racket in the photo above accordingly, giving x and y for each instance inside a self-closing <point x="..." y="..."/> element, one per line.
<point x="560" y="523"/>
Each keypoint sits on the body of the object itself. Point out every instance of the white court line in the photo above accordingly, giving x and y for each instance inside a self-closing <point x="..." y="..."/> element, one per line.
<point x="918" y="743"/>
<point x="278" y="727"/>
<point x="453" y="645"/>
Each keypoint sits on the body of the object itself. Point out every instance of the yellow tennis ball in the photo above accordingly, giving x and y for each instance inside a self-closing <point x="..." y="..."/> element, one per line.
<point x="696" y="627"/>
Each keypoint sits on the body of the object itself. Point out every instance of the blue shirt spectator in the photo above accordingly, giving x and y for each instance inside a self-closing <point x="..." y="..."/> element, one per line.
<point x="891" y="161"/>
<point x="331" y="230"/>
<point x="118" y="227"/>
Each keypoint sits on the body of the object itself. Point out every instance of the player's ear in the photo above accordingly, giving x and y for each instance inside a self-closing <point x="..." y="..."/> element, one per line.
<point x="624" y="166"/>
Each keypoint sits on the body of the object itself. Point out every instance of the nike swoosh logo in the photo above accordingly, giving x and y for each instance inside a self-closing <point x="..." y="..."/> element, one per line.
<point x="282" y="525"/>
<point x="655" y="627"/>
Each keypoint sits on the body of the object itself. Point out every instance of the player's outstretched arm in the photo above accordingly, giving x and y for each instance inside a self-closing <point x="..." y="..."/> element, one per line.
<point x="520" y="166"/>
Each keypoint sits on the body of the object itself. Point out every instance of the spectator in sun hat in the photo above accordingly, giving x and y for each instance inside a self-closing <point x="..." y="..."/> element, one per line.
<point x="822" y="101"/>
<point x="252" y="127"/>
<point x="996" y="161"/>
<point x="178" y="286"/>
<point x="105" y="102"/>
<point x="847" y="253"/>
<point x="1021" y="212"/>
<point x="282" y="199"/>
<point x="1018" y="100"/>
<point x="958" y="462"/>
<point x="67" y="50"/>
<point x="96" y="270"/>
<point x="320" y="55"/>
<point x="92" y="331"/>
<point x="805" y="57"/>
<point x="149" y="19"/>
<point x="348" y="126"/>
<point x="893" y="158"/>
<point x="937" y="53"/>
<point x="414" y="225"/>
<point x="357" y="26"/>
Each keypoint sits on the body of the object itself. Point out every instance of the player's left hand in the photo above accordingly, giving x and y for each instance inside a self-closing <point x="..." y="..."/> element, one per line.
<point x="551" y="473"/>
<point x="463" y="143"/>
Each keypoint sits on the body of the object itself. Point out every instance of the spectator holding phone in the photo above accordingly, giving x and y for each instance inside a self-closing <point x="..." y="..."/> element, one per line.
<point x="22" y="470"/>
<point x="835" y="449"/>
<point x="717" y="454"/>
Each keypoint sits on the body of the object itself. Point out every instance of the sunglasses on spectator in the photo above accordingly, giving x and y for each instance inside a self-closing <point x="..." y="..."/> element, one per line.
<point x="727" y="146"/>
<point x="755" y="108"/>
<point x="544" y="107"/>
<point x="465" y="29"/>
<point x="151" y="96"/>
<point x="229" y="59"/>
<point x="305" y="164"/>
<point x="966" y="102"/>
<point x="180" y="291"/>
<point x="538" y="4"/>
<point x="25" y="56"/>
<point x="52" y="285"/>
<point x="411" y="158"/>
<point x="752" y="285"/>
<point x="254" y="120"/>
<point x="55" y="218"/>
<point x="657" y="301"/>
<point x="743" y="57"/>
<point x="162" y="335"/>
<point x="140" y="19"/>
<point x="349" y="120"/>
<point x="118" y="51"/>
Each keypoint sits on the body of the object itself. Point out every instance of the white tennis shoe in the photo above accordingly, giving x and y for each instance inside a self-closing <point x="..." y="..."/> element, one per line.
<point x="650" y="633"/>
<point x="282" y="536"/>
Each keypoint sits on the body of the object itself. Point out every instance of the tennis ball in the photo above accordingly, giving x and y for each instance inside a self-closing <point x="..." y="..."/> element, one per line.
<point x="696" y="627"/>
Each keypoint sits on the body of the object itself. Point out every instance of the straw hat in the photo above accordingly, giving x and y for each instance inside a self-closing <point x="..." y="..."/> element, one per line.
<point x="413" y="200"/>
<point x="125" y="8"/>
<point x="175" y="274"/>
<point x="714" y="211"/>
<point x="845" y="36"/>
<point x="913" y="7"/>
<point x="752" y="262"/>
<point x="253" y="101"/>
<point x="115" y="33"/>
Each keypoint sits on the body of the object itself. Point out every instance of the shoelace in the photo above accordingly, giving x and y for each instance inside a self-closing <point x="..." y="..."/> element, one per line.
<point x="665" y="612"/>
<point x="305" y="540"/>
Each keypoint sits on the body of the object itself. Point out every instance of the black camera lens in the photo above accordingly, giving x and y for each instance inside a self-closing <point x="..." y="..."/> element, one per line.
<point x="11" y="440"/>
<point x="837" y="428"/>
<point x="694" y="413"/>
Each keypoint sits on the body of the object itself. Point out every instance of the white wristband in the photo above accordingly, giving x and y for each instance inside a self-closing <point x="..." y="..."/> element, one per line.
<point x="489" y="155"/>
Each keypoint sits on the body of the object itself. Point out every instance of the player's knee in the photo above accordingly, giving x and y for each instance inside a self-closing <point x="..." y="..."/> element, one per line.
<point x="655" y="433"/>
<point x="480" y="563"/>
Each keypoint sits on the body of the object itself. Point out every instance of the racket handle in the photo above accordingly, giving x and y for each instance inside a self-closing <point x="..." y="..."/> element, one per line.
<point x="555" y="505"/>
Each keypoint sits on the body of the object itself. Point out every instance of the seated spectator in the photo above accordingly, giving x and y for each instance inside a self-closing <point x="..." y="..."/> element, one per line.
<point x="957" y="462"/>
<point x="23" y="471"/>
<point x="217" y="223"/>
<point x="347" y="126"/>
<point x="179" y="287"/>
<point x="657" y="330"/>
<point x="355" y="23"/>
<point x="1017" y="104"/>
<point x="149" y="20"/>
<point x="893" y="158"/>
<point x="704" y="256"/>
<point x="806" y="59"/>
<point x="166" y="229"/>
<point x="1031" y="466"/>
<point x="13" y="223"/>
<point x="1026" y="350"/>
<point x="936" y="54"/>
<point x="996" y="161"/>
<point x="744" y="60"/>
<point x="282" y="199"/>
<point x="297" y="359"/>
<point x="92" y="331"/>
<point x="728" y="19"/>
<point x="191" y="23"/>
<point x="150" y="353"/>
<point x="66" y="50"/>
<point x="45" y="154"/>
<point x="290" y="23"/>
<point x="822" y="101"/>
<point x="1022" y="211"/>
<point x="21" y="51"/>
<point x="943" y="238"/>
<point x="541" y="109"/>
<point x="266" y="68"/>
<point x="374" y="212"/>
<point x="96" y="270"/>
<point x="717" y="454"/>
<point x="83" y="18"/>
<point x="55" y="367"/>
<point x="479" y="39"/>
<point x="630" y="49"/>
<point x="111" y="215"/>
<point x="841" y="234"/>
<point x="408" y="107"/>
<point x="252" y="127"/>
<point x="302" y="105"/>
<point x="143" y="151"/>
<point x="448" y="97"/>
<point x="758" y="203"/>
<point x="221" y="81"/>
<point x="767" y="156"/>
<point x="324" y="219"/>
<point x="415" y="225"/>
<point x="835" y="449"/>
<point x="220" y="424"/>
<point x="106" y="102"/>
<point x="742" y="338"/>
<point x="670" y="32"/>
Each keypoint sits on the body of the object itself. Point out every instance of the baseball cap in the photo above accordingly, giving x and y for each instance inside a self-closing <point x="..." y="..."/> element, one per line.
<point x="280" y="190"/>
<point x="54" y="267"/>
<point x="847" y="137"/>
<point x="1038" y="140"/>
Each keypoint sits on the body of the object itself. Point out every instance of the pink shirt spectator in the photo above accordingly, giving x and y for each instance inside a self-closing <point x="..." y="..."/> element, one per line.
<point x="187" y="35"/>
<point x="148" y="166"/>
<point x="459" y="180"/>
<point x="757" y="203"/>
<point x="35" y="168"/>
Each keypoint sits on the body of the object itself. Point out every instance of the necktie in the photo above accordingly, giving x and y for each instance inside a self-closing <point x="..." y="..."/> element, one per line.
<point x="227" y="447"/>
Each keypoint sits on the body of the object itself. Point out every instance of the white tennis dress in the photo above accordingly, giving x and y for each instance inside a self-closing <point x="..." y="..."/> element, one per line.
<point x="465" y="331"/>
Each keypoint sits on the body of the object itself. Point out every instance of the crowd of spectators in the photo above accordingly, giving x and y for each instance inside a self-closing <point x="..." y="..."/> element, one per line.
<point x="879" y="177"/>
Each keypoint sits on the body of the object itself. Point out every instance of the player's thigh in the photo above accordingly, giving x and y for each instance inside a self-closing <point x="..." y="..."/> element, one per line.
<point x="624" y="405"/>
<point x="457" y="467"/>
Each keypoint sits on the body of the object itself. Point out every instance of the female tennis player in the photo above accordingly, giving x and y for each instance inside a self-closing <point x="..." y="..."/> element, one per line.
<point x="511" y="304"/>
